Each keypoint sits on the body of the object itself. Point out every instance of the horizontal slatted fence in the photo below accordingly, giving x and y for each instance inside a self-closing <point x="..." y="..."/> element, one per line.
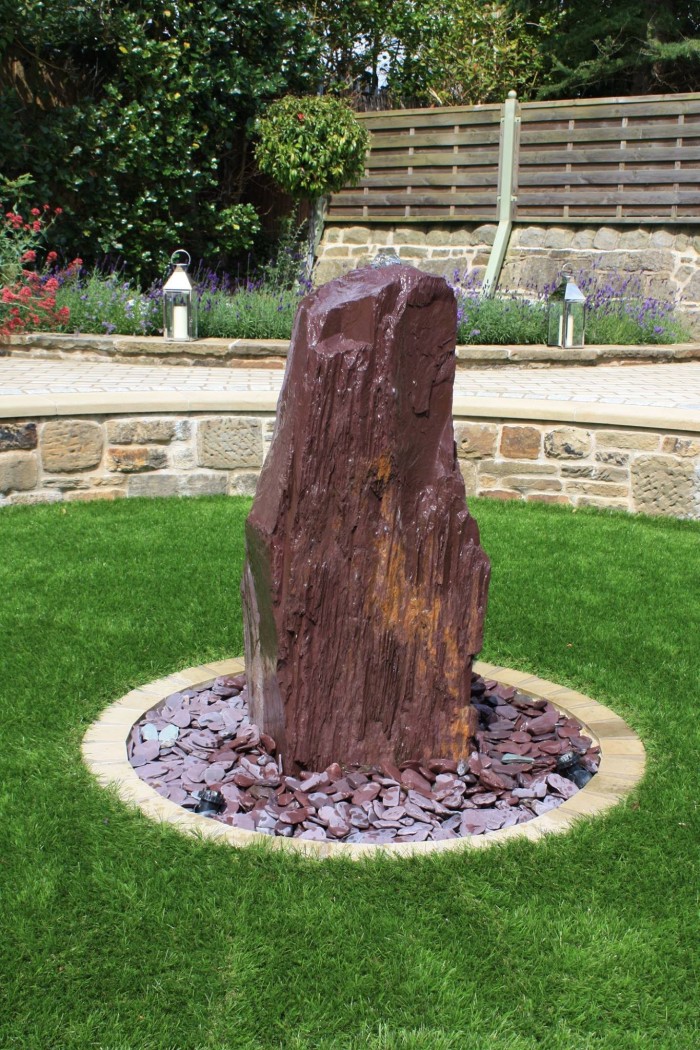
<point x="626" y="160"/>
<point x="427" y="165"/>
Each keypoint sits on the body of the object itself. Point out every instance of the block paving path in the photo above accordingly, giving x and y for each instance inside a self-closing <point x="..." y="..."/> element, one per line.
<point x="672" y="386"/>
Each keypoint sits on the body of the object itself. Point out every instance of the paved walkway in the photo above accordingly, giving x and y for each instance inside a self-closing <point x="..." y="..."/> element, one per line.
<point x="625" y="393"/>
<point x="661" y="386"/>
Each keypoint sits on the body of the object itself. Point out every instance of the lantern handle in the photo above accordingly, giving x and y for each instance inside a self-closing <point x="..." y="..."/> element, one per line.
<point x="181" y="251"/>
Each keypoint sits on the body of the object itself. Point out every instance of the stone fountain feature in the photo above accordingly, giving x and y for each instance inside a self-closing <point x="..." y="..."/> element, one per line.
<point x="365" y="587"/>
<point x="361" y="719"/>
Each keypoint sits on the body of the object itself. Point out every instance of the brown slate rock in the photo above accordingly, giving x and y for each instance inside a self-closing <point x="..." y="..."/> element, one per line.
<point x="359" y="522"/>
<point x="365" y="793"/>
<point x="413" y="780"/>
<point x="545" y="723"/>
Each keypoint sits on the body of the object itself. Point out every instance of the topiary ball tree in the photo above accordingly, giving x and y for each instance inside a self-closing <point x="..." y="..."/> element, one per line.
<point x="311" y="146"/>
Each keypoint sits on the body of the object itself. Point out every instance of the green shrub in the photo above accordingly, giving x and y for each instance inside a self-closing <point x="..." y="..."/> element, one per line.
<point x="311" y="146"/>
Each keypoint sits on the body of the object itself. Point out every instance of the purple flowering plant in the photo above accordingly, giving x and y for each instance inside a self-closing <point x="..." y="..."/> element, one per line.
<point x="617" y="311"/>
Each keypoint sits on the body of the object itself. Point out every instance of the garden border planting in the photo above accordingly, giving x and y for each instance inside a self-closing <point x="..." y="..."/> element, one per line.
<point x="622" y="762"/>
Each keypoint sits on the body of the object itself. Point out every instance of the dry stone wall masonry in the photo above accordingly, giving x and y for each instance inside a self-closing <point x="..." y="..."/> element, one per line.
<point x="100" y="457"/>
<point x="666" y="259"/>
<point x="109" y="457"/>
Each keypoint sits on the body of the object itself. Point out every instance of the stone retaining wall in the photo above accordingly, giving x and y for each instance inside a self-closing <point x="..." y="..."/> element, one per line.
<point x="107" y="457"/>
<point x="667" y="259"/>
<point x="582" y="466"/>
<point x="99" y="457"/>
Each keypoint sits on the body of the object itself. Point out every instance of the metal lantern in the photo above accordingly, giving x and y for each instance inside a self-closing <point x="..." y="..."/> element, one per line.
<point x="566" y="314"/>
<point x="179" y="302"/>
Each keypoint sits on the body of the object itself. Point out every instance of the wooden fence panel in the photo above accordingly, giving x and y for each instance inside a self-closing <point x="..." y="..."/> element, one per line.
<point x="623" y="160"/>
<point x="426" y="165"/>
<point x="610" y="160"/>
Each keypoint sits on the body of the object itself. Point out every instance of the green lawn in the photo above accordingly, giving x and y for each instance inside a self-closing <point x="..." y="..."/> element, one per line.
<point x="122" y="935"/>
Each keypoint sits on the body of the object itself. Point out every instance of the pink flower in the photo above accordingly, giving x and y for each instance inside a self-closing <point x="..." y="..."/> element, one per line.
<point x="29" y="256"/>
<point x="35" y="212"/>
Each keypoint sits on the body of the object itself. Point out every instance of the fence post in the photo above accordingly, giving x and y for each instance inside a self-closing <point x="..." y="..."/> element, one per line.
<point x="510" y="127"/>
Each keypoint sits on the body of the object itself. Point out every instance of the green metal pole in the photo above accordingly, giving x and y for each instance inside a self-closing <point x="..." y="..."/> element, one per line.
<point x="506" y="197"/>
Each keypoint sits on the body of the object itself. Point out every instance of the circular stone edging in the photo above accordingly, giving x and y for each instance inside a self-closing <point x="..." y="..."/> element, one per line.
<point x="622" y="761"/>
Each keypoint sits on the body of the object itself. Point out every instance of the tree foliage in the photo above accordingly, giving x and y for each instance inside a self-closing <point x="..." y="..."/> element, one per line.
<point x="138" y="117"/>
<point x="407" y="52"/>
<point x="420" y="53"/>
<point x="471" y="52"/>
<point x="619" y="47"/>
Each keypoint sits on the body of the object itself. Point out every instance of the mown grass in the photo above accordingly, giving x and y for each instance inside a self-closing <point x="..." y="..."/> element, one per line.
<point x="122" y="935"/>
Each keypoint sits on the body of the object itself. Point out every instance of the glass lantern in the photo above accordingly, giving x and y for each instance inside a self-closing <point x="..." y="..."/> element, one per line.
<point x="179" y="302"/>
<point x="566" y="314"/>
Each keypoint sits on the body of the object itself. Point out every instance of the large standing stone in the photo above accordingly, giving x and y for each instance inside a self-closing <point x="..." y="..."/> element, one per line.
<point x="365" y="586"/>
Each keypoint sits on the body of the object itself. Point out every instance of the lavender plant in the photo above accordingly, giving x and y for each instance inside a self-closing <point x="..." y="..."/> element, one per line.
<point x="253" y="311"/>
<point x="620" y="312"/>
<point x="262" y="303"/>
<point x="508" y="318"/>
<point x="107" y="304"/>
<point x="244" y="306"/>
<point x="617" y="312"/>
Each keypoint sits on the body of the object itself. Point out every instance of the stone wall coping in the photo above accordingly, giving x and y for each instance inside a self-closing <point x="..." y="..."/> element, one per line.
<point x="641" y="417"/>
<point x="43" y="406"/>
<point x="622" y="763"/>
<point x="135" y="345"/>
<point x="227" y="351"/>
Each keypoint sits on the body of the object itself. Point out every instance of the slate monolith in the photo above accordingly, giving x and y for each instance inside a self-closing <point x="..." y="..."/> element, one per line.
<point x="365" y="587"/>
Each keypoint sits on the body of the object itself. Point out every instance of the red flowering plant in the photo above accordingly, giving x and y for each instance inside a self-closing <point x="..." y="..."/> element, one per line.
<point x="27" y="287"/>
